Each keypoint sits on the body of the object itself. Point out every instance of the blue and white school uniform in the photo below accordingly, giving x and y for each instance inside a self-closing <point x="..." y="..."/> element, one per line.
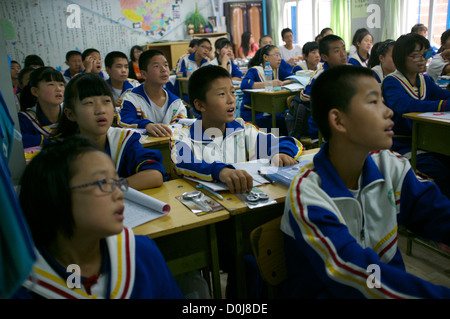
<point x="334" y="234"/>
<point x="402" y="97"/>
<point x="138" y="110"/>
<point x="128" y="85"/>
<point x="194" y="153"/>
<point x="378" y="73"/>
<point x="35" y="127"/>
<point x="357" y="60"/>
<point x="188" y="61"/>
<point x="232" y="68"/>
<point x="303" y="66"/>
<point x="132" y="268"/>
<point x="128" y="154"/>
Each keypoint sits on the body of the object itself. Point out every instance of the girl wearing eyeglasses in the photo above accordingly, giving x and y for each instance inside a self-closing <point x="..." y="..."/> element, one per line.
<point x="73" y="201"/>
<point x="89" y="110"/>
<point x="254" y="79"/>
<point x="408" y="89"/>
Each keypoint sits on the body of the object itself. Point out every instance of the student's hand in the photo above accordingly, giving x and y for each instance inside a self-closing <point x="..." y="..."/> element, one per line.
<point x="446" y="55"/>
<point x="286" y="82"/>
<point x="89" y="64"/>
<point x="237" y="180"/>
<point x="118" y="102"/>
<point x="158" y="130"/>
<point x="277" y="83"/>
<point x="281" y="160"/>
<point x="225" y="60"/>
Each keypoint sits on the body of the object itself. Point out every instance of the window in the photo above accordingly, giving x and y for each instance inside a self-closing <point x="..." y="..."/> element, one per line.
<point x="306" y="18"/>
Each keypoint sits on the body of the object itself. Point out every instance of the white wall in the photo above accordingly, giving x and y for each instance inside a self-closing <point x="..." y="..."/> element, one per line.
<point x="42" y="28"/>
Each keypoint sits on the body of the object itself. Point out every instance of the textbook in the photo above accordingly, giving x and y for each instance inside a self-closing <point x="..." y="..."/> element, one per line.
<point x="293" y="87"/>
<point x="141" y="208"/>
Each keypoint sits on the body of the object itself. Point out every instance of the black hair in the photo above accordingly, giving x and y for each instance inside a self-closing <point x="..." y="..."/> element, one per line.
<point x="308" y="47"/>
<point x="444" y="37"/>
<point x="340" y="84"/>
<point x="146" y="56"/>
<point x="14" y="61"/>
<point x="324" y="44"/>
<point x="245" y="42"/>
<point x="325" y="30"/>
<point x="200" y="81"/>
<point x="47" y="74"/>
<point x="33" y="59"/>
<point x="404" y="46"/>
<point x="111" y="56"/>
<point x="284" y="31"/>
<point x="359" y="35"/>
<point x="417" y="27"/>
<point x="379" y="48"/>
<point x="80" y="87"/>
<point x="221" y="43"/>
<point x="264" y="36"/>
<point x="138" y="47"/>
<point x="203" y="40"/>
<point x="88" y="52"/>
<point x="45" y="194"/>
<point x="24" y="71"/>
<point x="72" y="53"/>
<point x="258" y="59"/>
<point x="193" y="43"/>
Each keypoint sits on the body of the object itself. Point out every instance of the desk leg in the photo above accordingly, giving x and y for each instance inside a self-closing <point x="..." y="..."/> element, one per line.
<point x="414" y="146"/>
<point x="215" y="268"/>
<point x="253" y="109"/>
<point x="274" y="121"/>
<point x="240" y="264"/>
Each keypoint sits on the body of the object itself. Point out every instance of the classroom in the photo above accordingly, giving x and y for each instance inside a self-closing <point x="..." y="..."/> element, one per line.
<point x="232" y="150"/>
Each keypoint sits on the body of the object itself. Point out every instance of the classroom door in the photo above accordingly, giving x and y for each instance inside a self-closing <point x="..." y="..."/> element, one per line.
<point x="242" y="17"/>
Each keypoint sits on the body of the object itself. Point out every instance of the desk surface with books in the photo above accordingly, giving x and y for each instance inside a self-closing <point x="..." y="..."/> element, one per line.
<point x="187" y="241"/>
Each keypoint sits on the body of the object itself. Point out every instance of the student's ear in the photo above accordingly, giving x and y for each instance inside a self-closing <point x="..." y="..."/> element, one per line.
<point x="108" y="70"/>
<point x="67" y="63"/>
<point x="144" y="74"/>
<point x="34" y="91"/>
<point x="68" y="113"/>
<point x="324" y="57"/>
<point x="199" y="106"/>
<point x="336" y="121"/>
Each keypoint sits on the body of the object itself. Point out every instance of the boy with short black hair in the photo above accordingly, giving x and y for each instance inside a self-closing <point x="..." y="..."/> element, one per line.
<point x="116" y="64"/>
<point x="230" y="140"/>
<point x="75" y="64"/>
<point x="151" y="106"/>
<point x="342" y="211"/>
<point x="92" y="62"/>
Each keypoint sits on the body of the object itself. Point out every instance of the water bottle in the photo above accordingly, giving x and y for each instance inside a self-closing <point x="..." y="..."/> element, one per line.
<point x="268" y="74"/>
<point x="189" y="71"/>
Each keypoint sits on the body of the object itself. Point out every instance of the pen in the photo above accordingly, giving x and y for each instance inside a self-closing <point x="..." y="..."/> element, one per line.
<point x="266" y="177"/>
<point x="210" y="190"/>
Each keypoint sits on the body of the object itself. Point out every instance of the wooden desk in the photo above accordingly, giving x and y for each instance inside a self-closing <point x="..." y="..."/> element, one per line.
<point x="161" y="144"/>
<point x="187" y="241"/>
<point x="270" y="102"/>
<point x="243" y="220"/>
<point x="429" y="134"/>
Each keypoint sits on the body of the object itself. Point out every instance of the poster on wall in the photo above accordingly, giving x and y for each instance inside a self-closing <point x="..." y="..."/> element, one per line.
<point x="368" y="14"/>
<point x="51" y="28"/>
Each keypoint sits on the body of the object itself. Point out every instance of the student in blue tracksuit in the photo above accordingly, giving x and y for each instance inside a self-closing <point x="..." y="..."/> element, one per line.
<point x="75" y="64"/>
<point x="116" y="64"/>
<point x="209" y="147"/>
<point x="254" y="79"/>
<point x="41" y="106"/>
<point x="410" y="90"/>
<point x="225" y="58"/>
<point x="342" y="211"/>
<point x="381" y="61"/>
<point x="151" y="106"/>
<point x="72" y="199"/>
<point x="92" y="62"/>
<point x="362" y="41"/>
<point x="89" y="110"/>
<point x="333" y="53"/>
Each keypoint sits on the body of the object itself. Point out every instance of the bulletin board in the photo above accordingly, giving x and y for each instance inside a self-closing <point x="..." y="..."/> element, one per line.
<point x="50" y="28"/>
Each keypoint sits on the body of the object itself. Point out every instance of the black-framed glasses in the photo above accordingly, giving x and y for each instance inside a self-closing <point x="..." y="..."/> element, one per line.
<point x="426" y="55"/>
<point x="107" y="185"/>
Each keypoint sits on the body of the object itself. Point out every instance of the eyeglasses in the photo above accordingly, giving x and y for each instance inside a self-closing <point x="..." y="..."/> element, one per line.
<point x="206" y="48"/>
<point x="107" y="185"/>
<point x="426" y="55"/>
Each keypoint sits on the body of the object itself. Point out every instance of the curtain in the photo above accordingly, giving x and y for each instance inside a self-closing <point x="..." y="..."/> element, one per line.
<point x="276" y="16"/>
<point x="392" y="20"/>
<point x="341" y="20"/>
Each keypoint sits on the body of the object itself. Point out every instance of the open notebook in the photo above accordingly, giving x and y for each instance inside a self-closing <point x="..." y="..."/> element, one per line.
<point x="141" y="208"/>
